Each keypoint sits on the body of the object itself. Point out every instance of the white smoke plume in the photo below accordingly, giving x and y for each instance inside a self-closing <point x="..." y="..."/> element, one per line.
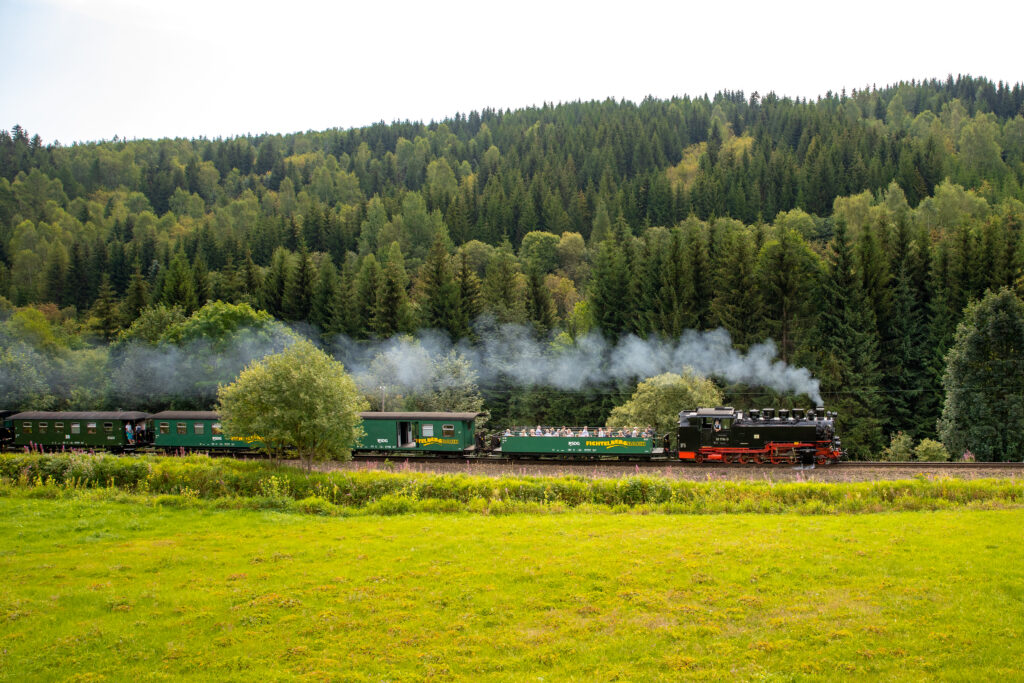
<point x="512" y="353"/>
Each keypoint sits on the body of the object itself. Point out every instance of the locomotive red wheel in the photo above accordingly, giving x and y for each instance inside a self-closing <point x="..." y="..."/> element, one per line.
<point x="743" y="459"/>
<point x="757" y="459"/>
<point x="698" y="457"/>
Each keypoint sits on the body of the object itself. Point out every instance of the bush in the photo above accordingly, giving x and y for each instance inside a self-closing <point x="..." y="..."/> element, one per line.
<point x="900" y="449"/>
<point x="930" y="450"/>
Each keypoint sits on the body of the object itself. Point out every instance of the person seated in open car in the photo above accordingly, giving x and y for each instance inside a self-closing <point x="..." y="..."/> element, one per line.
<point x="584" y="432"/>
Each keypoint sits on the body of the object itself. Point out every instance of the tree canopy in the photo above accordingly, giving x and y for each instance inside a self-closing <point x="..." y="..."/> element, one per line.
<point x="658" y="401"/>
<point x="984" y="381"/>
<point x="299" y="399"/>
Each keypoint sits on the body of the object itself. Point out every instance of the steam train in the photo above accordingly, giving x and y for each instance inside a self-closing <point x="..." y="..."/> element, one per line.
<point x="719" y="434"/>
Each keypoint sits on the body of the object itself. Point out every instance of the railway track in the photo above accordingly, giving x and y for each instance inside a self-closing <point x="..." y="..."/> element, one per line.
<point x="668" y="462"/>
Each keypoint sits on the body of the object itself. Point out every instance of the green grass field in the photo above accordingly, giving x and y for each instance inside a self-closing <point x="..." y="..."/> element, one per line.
<point x="97" y="590"/>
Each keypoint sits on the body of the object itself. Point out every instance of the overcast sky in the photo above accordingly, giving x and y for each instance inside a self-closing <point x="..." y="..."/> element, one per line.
<point x="77" y="70"/>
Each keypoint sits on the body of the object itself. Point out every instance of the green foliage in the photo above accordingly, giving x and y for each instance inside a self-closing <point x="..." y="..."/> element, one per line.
<point x="930" y="450"/>
<point x="984" y="407"/>
<point x="657" y="401"/>
<point x="900" y="449"/>
<point x="300" y="398"/>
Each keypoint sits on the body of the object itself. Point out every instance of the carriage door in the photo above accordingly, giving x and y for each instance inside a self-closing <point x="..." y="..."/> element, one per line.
<point x="405" y="438"/>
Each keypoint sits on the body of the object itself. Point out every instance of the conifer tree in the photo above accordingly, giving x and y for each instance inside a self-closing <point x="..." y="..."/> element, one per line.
<point x="298" y="290"/>
<point x="136" y="298"/>
<point x="178" y="288"/>
<point x="739" y="305"/>
<point x="848" y="355"/>
<point x="105" y="314"/>
<point x="439" y="307"/>
<point x="321" y="311"/>
<point x="609" y="279"/>
<point x="469" y="296"/>
<point x="56" y="275"/>
<point x="272" y="294"/>
<point x="344" y="317"/>
<point x="540" y="309"/>
<point x="391" y="313"/>
<point x="368" y="283"/>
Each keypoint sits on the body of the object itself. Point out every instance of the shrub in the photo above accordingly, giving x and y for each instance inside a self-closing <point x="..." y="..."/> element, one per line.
<point x="930" y="450"/>
<point x="900" y="449"/>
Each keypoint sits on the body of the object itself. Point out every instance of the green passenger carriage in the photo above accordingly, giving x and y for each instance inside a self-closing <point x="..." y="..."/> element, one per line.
<point x="580" y="446"/>
<point x="196" y="430"/>
<point x="100" y="429"/>
<point x="418" y="432"/>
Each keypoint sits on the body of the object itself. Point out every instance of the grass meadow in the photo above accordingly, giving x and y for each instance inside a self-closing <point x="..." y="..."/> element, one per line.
<point x="96" y="587"/>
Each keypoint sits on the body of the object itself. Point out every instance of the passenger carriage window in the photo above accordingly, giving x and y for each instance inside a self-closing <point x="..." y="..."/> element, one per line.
<point x="76" y="427"/>
<point x="215" y="429"/>
<point x="26" y="427"/>
<point x="58" y="426"/>
<point x="447" y="430"/>
<point x="108" y="427"/>
<point x="183" y="428"/>
<point x="42" y="427"/>
<point x="198" y="428"/>
<point x="165" y="427"/>
<point x="426" y="430"/>
<point x="90" y="427"/>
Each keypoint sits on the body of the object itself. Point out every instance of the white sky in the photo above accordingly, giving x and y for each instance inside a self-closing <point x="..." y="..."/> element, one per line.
<point x="78" y="70"/>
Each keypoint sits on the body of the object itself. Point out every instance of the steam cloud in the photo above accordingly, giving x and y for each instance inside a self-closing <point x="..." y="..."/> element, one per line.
<point x="512" y="353"/>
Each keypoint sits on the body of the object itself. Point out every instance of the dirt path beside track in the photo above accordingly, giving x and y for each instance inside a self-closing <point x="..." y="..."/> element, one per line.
<point x="835" y="473"/>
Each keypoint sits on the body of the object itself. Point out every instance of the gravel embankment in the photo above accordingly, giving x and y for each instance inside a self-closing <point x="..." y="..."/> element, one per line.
<point x="834" y="473"/>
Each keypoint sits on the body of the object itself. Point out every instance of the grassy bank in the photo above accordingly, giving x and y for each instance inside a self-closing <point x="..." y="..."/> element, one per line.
<point x="92" y="589"/>
<point x="226" y="483"/>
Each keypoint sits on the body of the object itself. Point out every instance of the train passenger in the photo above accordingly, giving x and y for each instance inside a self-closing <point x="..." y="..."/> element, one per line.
<point x="539" y="431"/>
<point x="522" y="431"/>
<point x="636" y="432"/>
<point x="549" y="432"/>
<point x="600" y="433"/>
<point x="129" y="433"/>
<point x="584" y="432"/>
<point x="508" y="431"/>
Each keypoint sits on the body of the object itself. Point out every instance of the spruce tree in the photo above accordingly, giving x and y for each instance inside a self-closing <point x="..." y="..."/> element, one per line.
<point x="298" y="289"/>
<point x="136" y="298"/>
<point x="178" y="288"/>
<point x="739" y="305"/>
<point x="368" y="283"/>
<point x="469" y="296"/>
<point x="439" y="307"/>
<point x="105" y="314"/>
<point x="539" y="307"/>
<point x="272" y="294"/>
<point x="391" y="313"/>
<point x="848" y="355"/>
<point x="321" y="311"/>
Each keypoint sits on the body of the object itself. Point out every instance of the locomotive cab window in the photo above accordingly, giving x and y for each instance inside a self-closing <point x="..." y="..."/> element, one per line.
<point x="447" y="430"/>
<point x="183" y="428"/>
<point x="42" y="427"/>
<point x="165" y="427"/>
<point x="426" y="430"/>
<point x="198" y="428"/>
